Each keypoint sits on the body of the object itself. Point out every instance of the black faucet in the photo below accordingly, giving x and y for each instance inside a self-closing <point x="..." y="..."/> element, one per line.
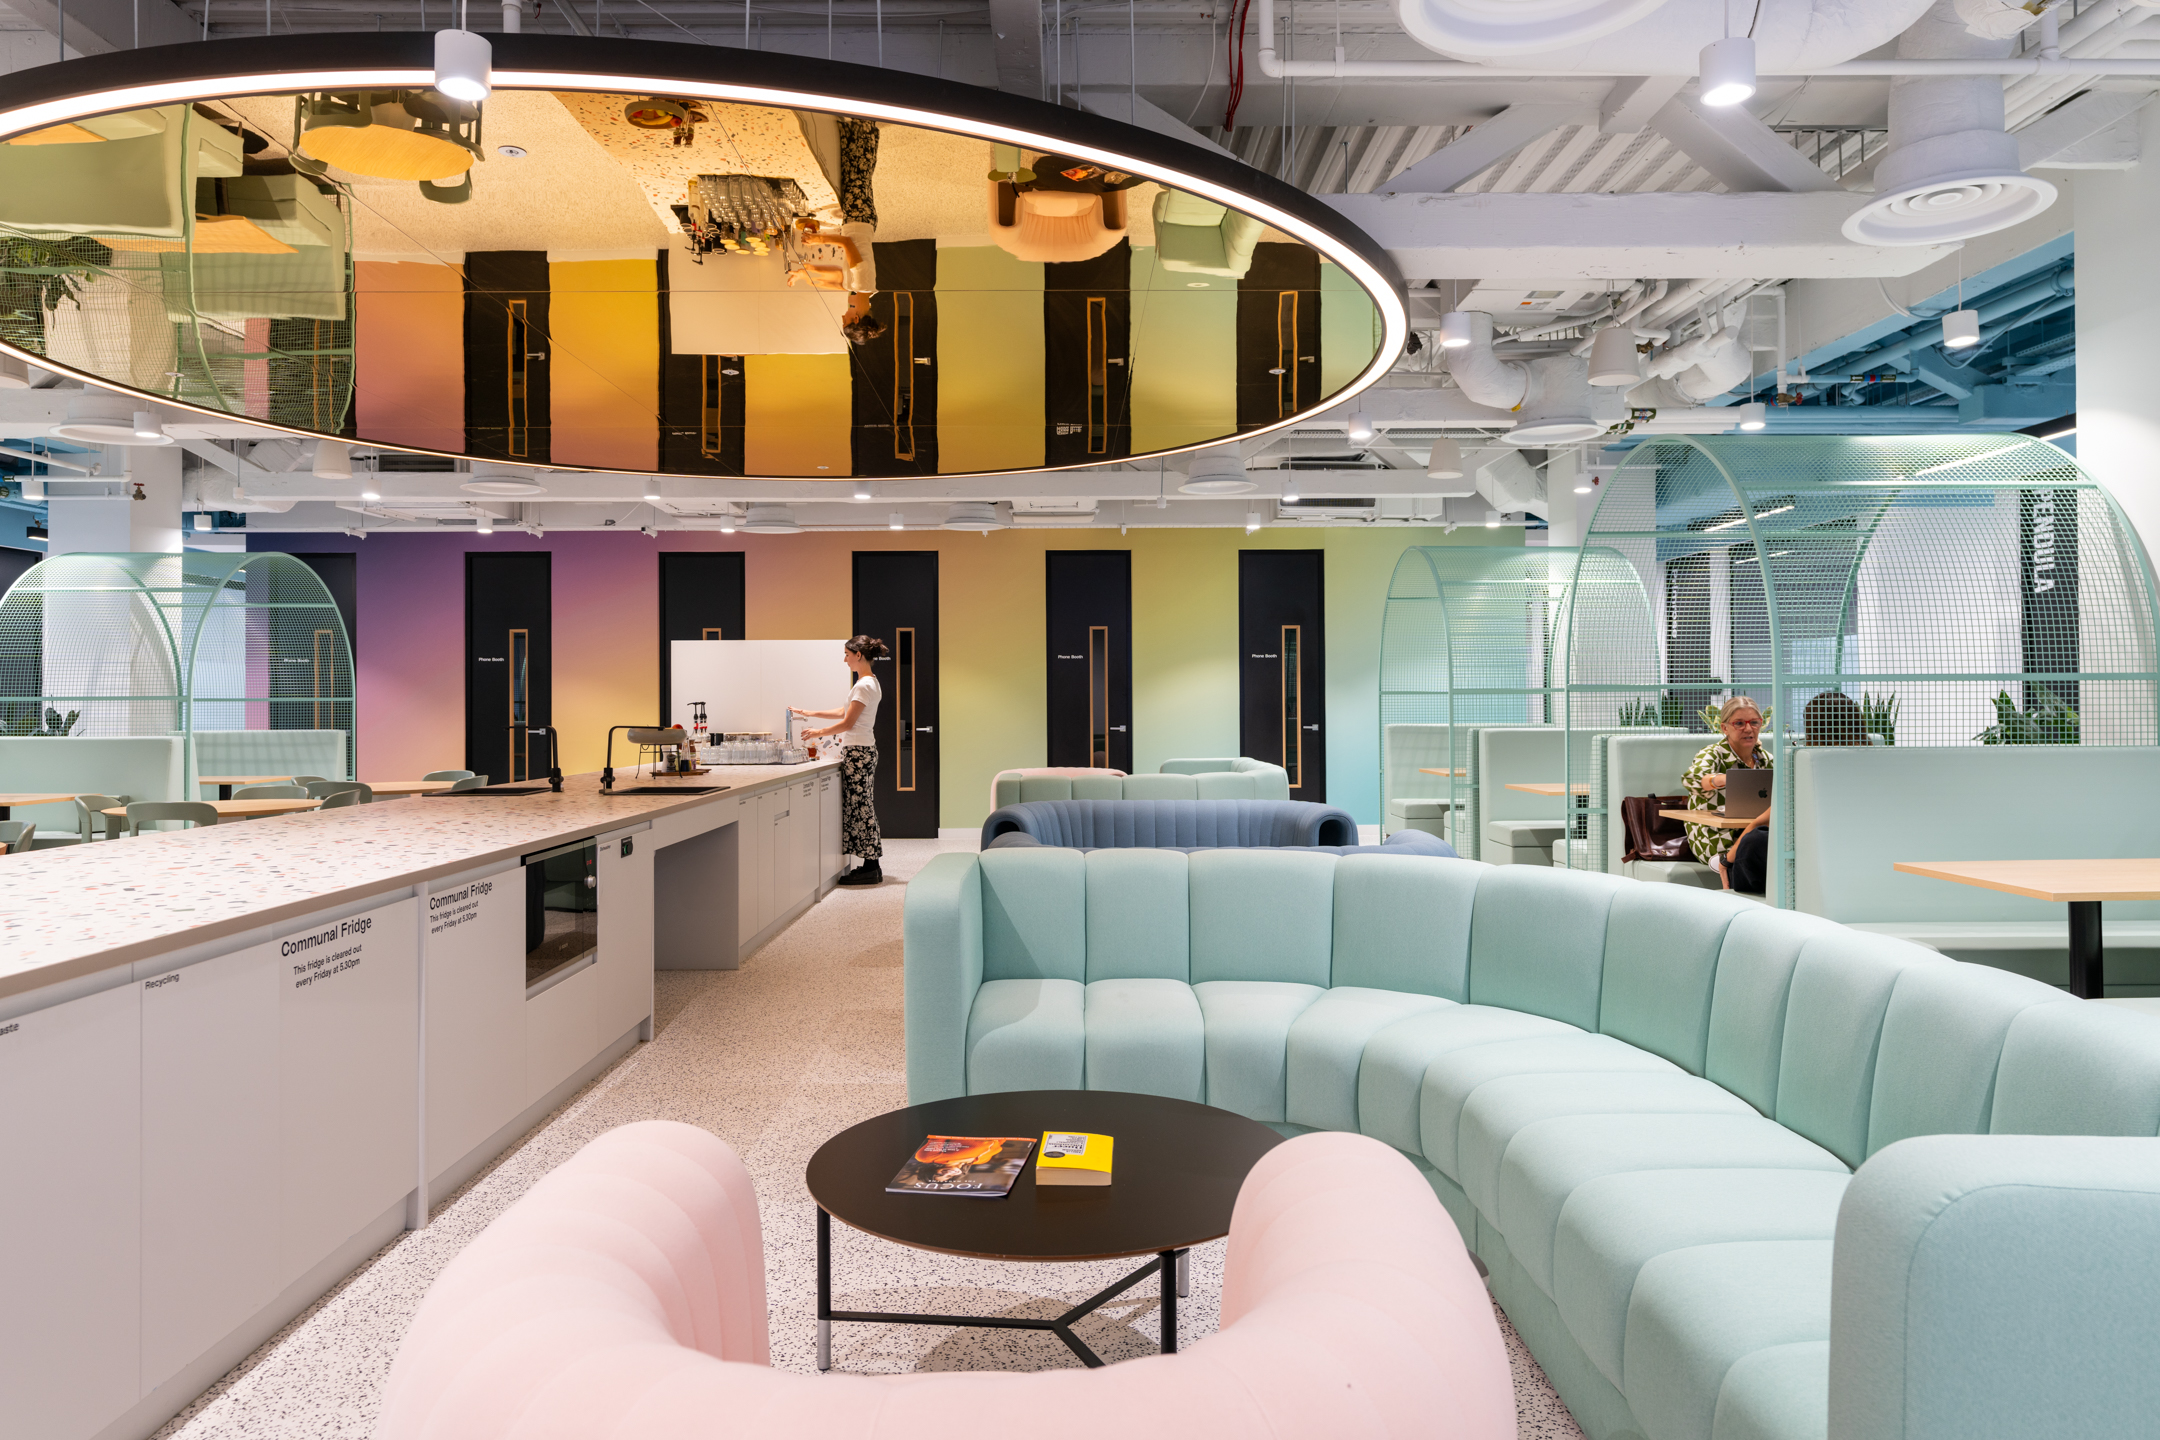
<point x="554" y="753"/>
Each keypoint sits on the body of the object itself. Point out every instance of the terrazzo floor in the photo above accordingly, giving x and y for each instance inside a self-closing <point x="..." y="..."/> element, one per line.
<point x="801" y="1042"/>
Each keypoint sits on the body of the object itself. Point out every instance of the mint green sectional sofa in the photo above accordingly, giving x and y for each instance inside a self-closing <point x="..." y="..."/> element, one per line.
<point x="1643" y="1105"/>
<point x="1227" y="779"/>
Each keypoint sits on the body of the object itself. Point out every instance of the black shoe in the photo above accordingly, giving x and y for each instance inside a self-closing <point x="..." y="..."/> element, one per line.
<point x="866" y="873"/>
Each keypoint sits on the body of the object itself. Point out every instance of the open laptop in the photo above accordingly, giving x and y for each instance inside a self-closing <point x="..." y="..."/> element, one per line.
<point x="1747" y="793"/>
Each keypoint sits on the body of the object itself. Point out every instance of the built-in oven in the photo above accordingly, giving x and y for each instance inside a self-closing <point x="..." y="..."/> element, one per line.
<point x="562" y="913"/>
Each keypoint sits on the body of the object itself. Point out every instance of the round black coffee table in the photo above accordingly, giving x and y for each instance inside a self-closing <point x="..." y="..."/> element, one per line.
<point x="1178" y="1167"/>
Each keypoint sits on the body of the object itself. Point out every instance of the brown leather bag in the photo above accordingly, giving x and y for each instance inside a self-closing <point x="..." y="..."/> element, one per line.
<point x="1651" y="836"/>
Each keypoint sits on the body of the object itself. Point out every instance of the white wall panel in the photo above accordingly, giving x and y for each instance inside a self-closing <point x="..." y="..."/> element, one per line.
<point x="475" y="1012"/>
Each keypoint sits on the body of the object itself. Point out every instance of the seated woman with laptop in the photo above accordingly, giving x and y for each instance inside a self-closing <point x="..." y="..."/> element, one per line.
<point x="1733" y="777"/>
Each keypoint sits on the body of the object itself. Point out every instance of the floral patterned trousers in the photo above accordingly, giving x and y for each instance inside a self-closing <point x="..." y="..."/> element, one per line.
<point x="859" y="833"/>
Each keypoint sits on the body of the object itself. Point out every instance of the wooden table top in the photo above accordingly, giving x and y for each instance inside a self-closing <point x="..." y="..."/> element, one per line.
<point x="408" y="787"/>
<point x="1550" y="787"/>
<point x="1717" y="819"/>
<point x="238" y="809"/>
<point x="34" y="799"/>
<point x="1428" y="770"/>
<point x="2071" y="880"/>
<point x="241" y="779"/>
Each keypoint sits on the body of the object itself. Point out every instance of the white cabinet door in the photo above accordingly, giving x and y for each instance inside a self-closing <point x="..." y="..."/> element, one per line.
<point x="769" y="806"/>
<point x="349" y="1029"/>
<point x="806" y="843"/>
<point x="749" y="841"/>
<point x="783" y="852"/>
<point x="475" y="1013"/>
<point x="70" y="1216"/>
<point x="829" y="857"/>
<point x="209" y="1153"/>
<point x="626" y="934"/>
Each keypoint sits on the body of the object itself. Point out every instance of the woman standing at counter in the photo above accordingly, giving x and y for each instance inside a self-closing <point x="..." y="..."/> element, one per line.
<point x="858" y="767"/>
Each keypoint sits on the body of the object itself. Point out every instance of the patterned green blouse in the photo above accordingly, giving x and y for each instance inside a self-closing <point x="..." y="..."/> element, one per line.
<point x="1707" y="840"/>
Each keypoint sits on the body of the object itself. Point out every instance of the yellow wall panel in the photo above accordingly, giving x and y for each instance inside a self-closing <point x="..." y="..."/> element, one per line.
<point x="796" y="413"/>
<point x="604" y="370"/>
<point x="990" y="360"/>
<point x="1349" y="329"/>
<point x="1184" y="355"/>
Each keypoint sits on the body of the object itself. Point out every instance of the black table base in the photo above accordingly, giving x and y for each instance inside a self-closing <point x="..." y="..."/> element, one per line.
<point x="2086" y="960"/>
<point x="1170" y="1265"/>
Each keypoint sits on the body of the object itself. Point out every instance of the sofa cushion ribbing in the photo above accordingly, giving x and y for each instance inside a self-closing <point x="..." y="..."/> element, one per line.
<point x="1942" y="1040"/>
<point x="1327" y="1042"/>
<point x="2077" y="1070"/>
<point x="1537" y="942"/>
<point x="1034" y="915"/>
<point x="1451" y="1079"/>
<point x="1391" y="1074"/>
<point x="1262" y="915"/>
<point x="1661" y="957"/>
<point x="1248" y="1034"/>
<point x="1614" y="1225"/>
<point x="1027" y="1035"/>
<point x="1145" y="1037"/>
<point x="1139" y="915"/>
<point x="1833" y="1027"/>
<point x="1401" y="924"/>
<point x="1747" y="1009"/>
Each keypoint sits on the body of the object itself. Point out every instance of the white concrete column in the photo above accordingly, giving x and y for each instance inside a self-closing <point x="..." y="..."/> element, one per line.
<point x="2118" y="331"/>
<point x="100" y="513"/>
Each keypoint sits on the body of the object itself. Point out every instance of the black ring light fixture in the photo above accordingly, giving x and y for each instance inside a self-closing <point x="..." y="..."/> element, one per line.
<point x="76" y="90"/>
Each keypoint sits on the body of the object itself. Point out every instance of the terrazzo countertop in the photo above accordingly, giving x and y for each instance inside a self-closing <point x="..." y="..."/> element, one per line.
<point x="79" y="909"/>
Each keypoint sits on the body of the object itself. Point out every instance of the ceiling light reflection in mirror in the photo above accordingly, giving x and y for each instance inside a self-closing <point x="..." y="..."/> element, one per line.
<point x="658" y="282"/>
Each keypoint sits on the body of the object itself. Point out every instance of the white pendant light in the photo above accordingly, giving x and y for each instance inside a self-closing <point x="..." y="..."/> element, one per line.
<point x="1252" y="522"/>
<point x="1290" y="490"/>
<point x="462" y="63"/>
<point x="1455" y="330"/>
<point x="1961" y="329"/>
<point x="1754" y="415"/>
<point x="487" y="524"/>
<point x="98" y="418"/>
<point x="371" y="495"/>
<point x="148" y="431"/>
<point x="1728" y="70"/>
<point x="1613" y="360"/>
<point x="862" y="490"/>
<point x="896" y="523"/>
<point x="1446" y="460"/>
<point x="1359" y="428"/>
<point x="333" y="460"/>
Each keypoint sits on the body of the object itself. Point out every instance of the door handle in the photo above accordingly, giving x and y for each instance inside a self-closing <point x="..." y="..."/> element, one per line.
<point x="1119" y="728"/>
<point x="1312" y="727"/>
<point x="923" y="729"/>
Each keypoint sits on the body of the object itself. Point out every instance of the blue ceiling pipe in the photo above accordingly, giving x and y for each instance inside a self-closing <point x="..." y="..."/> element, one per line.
<point x="2059" y="286"/>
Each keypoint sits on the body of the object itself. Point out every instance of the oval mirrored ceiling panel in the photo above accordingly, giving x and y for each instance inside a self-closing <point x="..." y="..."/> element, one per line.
<point x="655" y="258"/>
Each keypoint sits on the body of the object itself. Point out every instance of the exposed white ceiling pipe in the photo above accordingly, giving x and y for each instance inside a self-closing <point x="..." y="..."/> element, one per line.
<point x="1484" y="376"/>
<point x="2101" y="32"/>
<point x="1951" y="171"/>
<point x="1643" y="301"/>
<point x="1705" y="367"/>
<point x="1599" y="63"/>
<point x="1653" y="37"/>
<point x="1569" y="322"/>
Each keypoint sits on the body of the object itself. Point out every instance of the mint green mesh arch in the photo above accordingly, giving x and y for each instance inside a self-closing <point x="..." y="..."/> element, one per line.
<point x="191" y="644"/>
<point x="1963" y="589"/>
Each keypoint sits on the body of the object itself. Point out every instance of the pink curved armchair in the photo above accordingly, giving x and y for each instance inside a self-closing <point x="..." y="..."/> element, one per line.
<point x="625" y="1296"/>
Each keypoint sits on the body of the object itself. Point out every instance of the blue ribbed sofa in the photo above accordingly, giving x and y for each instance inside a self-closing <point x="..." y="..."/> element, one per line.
<point x="1643" y="1104"/>
<point x="1187" y="825"/>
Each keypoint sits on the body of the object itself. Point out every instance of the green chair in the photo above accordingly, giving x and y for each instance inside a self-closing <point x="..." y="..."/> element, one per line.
<point x="15" y="835"/>
<point x="324" y="789"/>
<point x="270" y="792"/>
<point x="307" y="779"/>
<point x="339" y="799"/>
<point x="150" y="812"/>
<point x="90" y="820"/>
<point x="448" y="775"/>
<point x="1200" y="237"/>
<point x="470" y="782"/>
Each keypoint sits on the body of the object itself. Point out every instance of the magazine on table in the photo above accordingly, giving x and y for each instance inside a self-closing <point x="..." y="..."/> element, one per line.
<point x="982" y="1166"/>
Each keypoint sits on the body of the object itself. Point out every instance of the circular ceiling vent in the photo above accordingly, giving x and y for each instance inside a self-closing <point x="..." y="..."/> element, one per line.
<point x="1555" y="430"/>
<point x="1217" y="474"/>
<point x="96" y="418"/>
<point x="977" y="515"/>
<point x="497" y="482"/>
<point x="770" y="520"/>
<point x="1941" y="209"/>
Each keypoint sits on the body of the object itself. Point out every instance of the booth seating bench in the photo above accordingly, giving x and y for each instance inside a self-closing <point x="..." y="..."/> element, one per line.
<point x="1220" y="783"/>
<point x="1269" y="782"/>
<point x="1858" y="810"/>
<point x="1189" y="825"/>
<point x="1644" y="1105"/>
<point x="1414" y="800"/>
<point x="624" y="1295"/>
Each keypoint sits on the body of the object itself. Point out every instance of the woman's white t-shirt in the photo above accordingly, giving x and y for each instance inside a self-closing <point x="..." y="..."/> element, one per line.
<point x="869" y="692"/>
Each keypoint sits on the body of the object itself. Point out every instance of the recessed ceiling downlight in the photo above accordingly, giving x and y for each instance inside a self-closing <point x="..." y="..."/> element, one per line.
<point x="978" y="515"/>
<point x="770" y="520"/>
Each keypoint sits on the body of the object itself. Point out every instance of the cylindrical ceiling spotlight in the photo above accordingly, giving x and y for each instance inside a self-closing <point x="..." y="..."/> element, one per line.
<point x="1754" y="415"/>
<point x="1446" y="460"/>
<point x="148" y="430"/>
<point x="1290" y="489"/>
<point x="1728" y="70"/>
<point x="1456" y="330"/>
<point x="862" y="490"/>
<point x="1359" y="428"/>
<point x="462" y="63"/>
<point x="487" y="524"/>
<point x="1613" y="360"/>
<point x="1961" y="329"/>
<point x="896" y="522"/>
<point x="333" y="460"/>
<point x="98" y="418"/>
<point x="1252" y="522"/>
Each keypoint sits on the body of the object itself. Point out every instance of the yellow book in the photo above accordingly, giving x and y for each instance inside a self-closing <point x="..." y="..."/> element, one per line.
<point x="1068" y="1157"/>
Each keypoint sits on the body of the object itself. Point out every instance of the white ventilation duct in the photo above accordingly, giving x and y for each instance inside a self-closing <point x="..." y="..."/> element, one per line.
<point x="770" y="520"/>
<point x="979" y="516"/>
<point x="1706" y="366"/>
<point x="1550" y="395"/>
<point x="1216" y="472"/>
<point x="1629" y="37"/>
<point x="1951" y="171"/>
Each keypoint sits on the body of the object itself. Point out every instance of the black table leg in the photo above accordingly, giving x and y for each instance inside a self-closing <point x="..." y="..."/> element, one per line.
<point x="824" y="1289"/>
<point x="224" y="792"/>
<point x="1169" y="1300"/>
<point x="2086" y="963"/>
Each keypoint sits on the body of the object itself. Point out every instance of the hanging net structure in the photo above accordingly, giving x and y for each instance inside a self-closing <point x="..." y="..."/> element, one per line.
<point x="1957" y="589"/>
<point x="244" y="655"/>
<point x="1477" y="636"/>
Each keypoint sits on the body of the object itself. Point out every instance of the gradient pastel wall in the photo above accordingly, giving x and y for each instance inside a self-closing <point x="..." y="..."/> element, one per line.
<point x="991" y="603"/>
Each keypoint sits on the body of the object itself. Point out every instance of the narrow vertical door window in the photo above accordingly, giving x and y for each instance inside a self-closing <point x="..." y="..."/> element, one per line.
<point x="903" y="703"/>
<point x="519" y="651"/>
<point x="1099" y="696"/>
<point x="1293" y="710"/>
